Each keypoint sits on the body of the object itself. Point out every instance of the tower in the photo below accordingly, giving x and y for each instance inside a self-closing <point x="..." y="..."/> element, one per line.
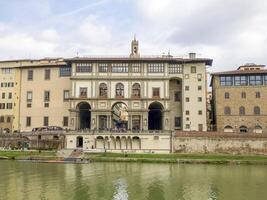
<point x="134" y="48"/>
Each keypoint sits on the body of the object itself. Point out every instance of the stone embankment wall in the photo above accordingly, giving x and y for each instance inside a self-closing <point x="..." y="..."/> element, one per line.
<point x="220" y="143"/>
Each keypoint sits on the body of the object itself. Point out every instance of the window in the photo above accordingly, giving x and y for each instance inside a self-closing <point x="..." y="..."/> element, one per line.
<point x="103" y="119"/>
<point x="64" y="71"/>
<point x="187" y="126"/>
<point x="200" y="112"/>
<point x="2" y="119"/>
<point x="177" y="96"/>
<point x="193" y="69"/>
<point x="136" y="68"/>
<point x="103" y="90"/>
<point x="265" y="79"/>
<point x="47" y="74"/>
<point x="2" y="105"/>
<point x="199" y="99"/>
<point x="257" y="110"/>
<point x="200" y="127"/>
<point x="46" y="121"/>
<point x="187" y="88"/>
<point x="30" y="75"/>
<point x="255" y="80"/>
<point x="46" y="95"/>
<point x="9" y="106"/>
<point x="102" y="67"/>
<point x="3" y="95"/>
<point x="226" y="80"/>
<point x="7" y="71"/>
<point x="66" y="95"/>
<point x="240" y="80"/>
<point x="136" y="90"/>
<point x="10" y="95"/>
<point x="227" y="111"/>
<point x="175" y="69"/>
<point x="242" y="110"/>
<point x="187" y="99"/>
<point x="28" y="121"/>
<point x="226" y="95"/>
<point x="258" y="95"/>
<point x="8" y="119"/>
<point x="177" y="121"/>
<point x="155" y="67"/>
<point x="136" y="121"/>
<point x="119" y="90"/>
<point x="156" y="92"/>
<point x="46" y="105"/>
<point x="120" y="68"/>
<point x="243" y="129"/>
<point x="65" y="121"/>
<point x="199" y="87"/>
<point x="83" y="67"/>
<point x="29" y="96"/>
<point x="83" y="92"/>
<point x="243" y="95"/>
<point x="187" y="112"/>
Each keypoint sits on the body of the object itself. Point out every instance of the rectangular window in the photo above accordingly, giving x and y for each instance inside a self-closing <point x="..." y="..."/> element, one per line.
<point x="199" y="87"/>
<point x="258" y="95"/>
<point x="265" y="79"/>
<point x="2" y="119"/>
<point x="155" y="68"/>
<point x="255" y="80"/>
<point x="2" y="105"/>
<point x="240" y="80"/>
<point x="7" y="71"/>
<point x="187" y="126"/>
<point x="9" y="106"/>
<point x="83" y="92"/>
<point x="10" y="95"/>
<point x="177" y="96"/>
<point x="175" y="69"/>
<point x="29" y="96"/>
<point x="65" y="121"/>
<point x="187" y="99"/>
<point x="136" y="68"/>
<point x="102" y="67"/>
<point x="136" y="121"/>
<point x="28" y="121"/>
<point x="46" y="95"/>
<point x="3" y="95"/>
<point x="226" y="80"/>
<point x="30" y="75"/>
<point x="155" y="92"/>
<point x="64" y="71"/>
<point x="177" y="121"/>
<point x="66" y="95"/>
<point x="46" y="121"/>
<point x="84" y="67"/>
<point x="187" y="88"/>
<point x="47" y="74"/>
<point x="103" y="122"/>
<point x="187" y="112"/>
<point x="120" y="68"/>
<point x="193" y="69"/>
<point x="200" y="127"/>
<point x="200" y="112"/>
<point x="199" y="99"/>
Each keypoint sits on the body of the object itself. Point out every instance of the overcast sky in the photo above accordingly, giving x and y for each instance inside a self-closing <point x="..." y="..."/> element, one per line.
<point x="232" y="32"/>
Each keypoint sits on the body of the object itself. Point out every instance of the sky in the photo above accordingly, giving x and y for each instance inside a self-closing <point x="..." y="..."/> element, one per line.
<point x="231" y="32"/>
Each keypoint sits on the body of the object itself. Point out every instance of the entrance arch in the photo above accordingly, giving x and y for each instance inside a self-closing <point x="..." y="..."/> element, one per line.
<point x="155" y="116"/>
<point x="84" y="115"/>
<point x="79" y="142"/>
<point x="120" y="116"/>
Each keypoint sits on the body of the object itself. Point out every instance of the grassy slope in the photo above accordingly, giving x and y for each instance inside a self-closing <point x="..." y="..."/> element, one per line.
<point x="21" y="154"/>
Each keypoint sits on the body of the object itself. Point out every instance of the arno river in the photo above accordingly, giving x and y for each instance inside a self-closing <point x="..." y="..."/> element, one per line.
<point x="33" y="181"/>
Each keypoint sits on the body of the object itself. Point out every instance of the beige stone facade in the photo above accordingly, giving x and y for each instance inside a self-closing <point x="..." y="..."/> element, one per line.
<point x="239" y="99"/>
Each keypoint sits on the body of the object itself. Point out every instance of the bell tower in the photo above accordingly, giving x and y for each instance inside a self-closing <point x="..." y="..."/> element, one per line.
<point x="134" y="48"/>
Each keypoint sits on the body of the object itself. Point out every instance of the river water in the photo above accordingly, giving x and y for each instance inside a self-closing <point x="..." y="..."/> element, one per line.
<point x="122" y="181"/>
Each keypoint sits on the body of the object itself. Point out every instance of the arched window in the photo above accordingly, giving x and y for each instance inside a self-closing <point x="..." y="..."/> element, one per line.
<point x="258" y="129"/>
<point x="103" y="90"/>
<point x="257" y="110"/>
<point x="119" y="90"/>
<point x="136" y="91"/>
<point x="242" y="110"/>
<point x="228" y="129"/>
<point x="227" y="110"/>
<point x="226" y="95"/>
<point x="243" y="129"/>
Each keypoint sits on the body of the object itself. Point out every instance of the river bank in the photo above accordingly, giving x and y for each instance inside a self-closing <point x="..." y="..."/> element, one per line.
<point x="143" y="158"/>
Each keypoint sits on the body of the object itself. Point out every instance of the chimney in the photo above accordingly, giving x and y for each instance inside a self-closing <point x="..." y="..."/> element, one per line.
<point x="192" y="55"/>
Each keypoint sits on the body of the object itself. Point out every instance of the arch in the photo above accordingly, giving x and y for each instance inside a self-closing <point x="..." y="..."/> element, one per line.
<point x="242" y="110"/>
<point x="112" y="143"/>
<point x="118" y="142"/>
<point x="243" y="129"/>
<point x="103" y="90"/>
<point x="155" y="116"/>
<point x="136" y="90"/>
<point x="84" y="115"/>
<point x="257" y="110"/>
<point x="120" y="116"/>
<point x="258" y="129"/>
<point x="100" y="142"/>
<point x="79" y="141"/>
<point x="107" y="143"/>
<point x="119" y="90"/>
<point x="136" y="143"/>
<point x="129" y="143"/>
<point x="228" y="129"/>
<point x="123" y="142"/>
<point x="227" y="110"/>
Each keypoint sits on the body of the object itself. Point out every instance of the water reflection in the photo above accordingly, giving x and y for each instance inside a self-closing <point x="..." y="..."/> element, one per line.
<point x="121" y="181"/>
